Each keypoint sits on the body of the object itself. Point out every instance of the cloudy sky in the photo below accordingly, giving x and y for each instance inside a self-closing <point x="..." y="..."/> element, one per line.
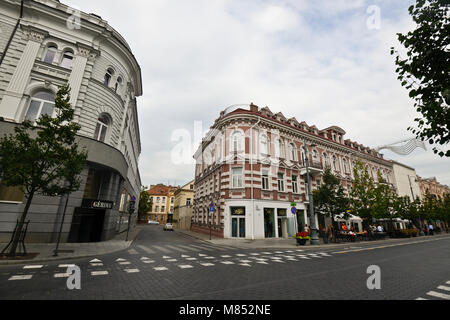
<point x="326" y="62"/>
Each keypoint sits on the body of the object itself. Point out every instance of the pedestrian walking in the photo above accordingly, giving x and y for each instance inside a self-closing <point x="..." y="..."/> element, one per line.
<point x="431" y="230"/>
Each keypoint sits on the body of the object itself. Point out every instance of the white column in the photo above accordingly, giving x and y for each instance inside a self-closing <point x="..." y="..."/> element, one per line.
<point x="21" y="76"/>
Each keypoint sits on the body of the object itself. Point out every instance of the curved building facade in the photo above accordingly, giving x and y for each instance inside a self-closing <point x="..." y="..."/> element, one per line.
<point x="45" y="44"/>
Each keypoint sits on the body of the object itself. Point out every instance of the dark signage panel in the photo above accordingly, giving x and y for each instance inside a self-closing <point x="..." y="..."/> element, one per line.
<point x="97" y="204"/>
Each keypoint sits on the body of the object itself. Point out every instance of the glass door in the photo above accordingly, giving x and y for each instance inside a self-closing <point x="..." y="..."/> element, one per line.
<point x="269" y="223"/>
<point x="238" y="227"/>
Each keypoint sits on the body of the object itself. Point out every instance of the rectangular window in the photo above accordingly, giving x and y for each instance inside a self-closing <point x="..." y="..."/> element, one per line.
<point x="163" y="209"/>
<point x="237" y="177"/>
<point x="156" y="209"/>
<point x="265" y="179"/>
<point x="294" y="184"/>
<point x="281" y="182"/>
<point x="188" y="201"/>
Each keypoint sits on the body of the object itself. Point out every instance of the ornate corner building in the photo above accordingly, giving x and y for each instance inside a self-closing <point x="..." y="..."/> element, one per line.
<point x="251" y="167"/>
<point x="44" y="45"/>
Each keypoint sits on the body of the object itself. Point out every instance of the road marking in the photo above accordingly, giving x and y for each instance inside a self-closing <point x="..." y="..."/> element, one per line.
<point x="278" y="261"/>
<point x="189" y="248"/>
<point x="421" y="299"/>
<point x="439" y="295"/>
<point x="207" y="264"/>
<point x="66" y="265"/>
<point x="226" y="256"/>
<point x="202" y="255"/>
<point x="303" y="257"/>
<point x="241" y="255"/>
<point x="97" y="264"/>
<point x="175" y="248"/>
<point x="148" y="250"/>
<point x="25" y="277"/>
<point x="62" y="275"/>
<point x="227" y="262"/>
<point x="167" y="257"/>
<point x="444" y="288"/>
<point x="145" y="258"/>
<point x="160" y="269"/>
<point x="261" y="262"/>
<point x="162" y="249"/>
<point x="325" y="254"/>
<point x="148" y="261"/>
<point x="95" y="261"/>
<point x="265" y="253"/>
<point x="185" y="256"/>
<point x="191" y="259"/>
<point x="209" y="258"/>
<point x="125" y="263"/>
<point x="172" y="260"/>
<point x="132" y="270"/>
<point x="245" y="265"/>
<point x="99" y="273"/>
<point x="254" y="254"/>
<point x="120" y="260"/>
<point x="33" y="267"/>
<point x="448" y="282"/>
<point x="133" y="252"/>
<point x="246" y="261"/>
<point x="185" y="266"/>
<point x="202" y="247"/>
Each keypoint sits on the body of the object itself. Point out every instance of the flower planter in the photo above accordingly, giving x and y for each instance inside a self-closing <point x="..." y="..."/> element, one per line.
<point x="301" y="242"/>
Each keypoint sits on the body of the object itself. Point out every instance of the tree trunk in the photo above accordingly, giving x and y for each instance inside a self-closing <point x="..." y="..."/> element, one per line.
<point x="16" y="238"/>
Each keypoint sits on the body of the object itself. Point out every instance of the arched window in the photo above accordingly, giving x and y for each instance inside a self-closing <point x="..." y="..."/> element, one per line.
<point x="335" y="164"/>
<point x="118" y="84"/>
<point x="50" y="54"/>
<point x="315" y="156"/>
<point x="292" y="152"/>
<point x="237" y="144"/>
<point x="279" y="149"/>
<point x="42" y="102"/>
<point x="67" y="59"/>
<point x="263" y="145"/>
<point x="344" y="162"/>
<point x="101" y="129"/>
<point x="325" y="160"/>
<point x="108" y="76"/>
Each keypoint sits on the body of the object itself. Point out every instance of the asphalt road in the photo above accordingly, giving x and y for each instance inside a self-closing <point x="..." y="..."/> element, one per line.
<point x="168" y="265"/>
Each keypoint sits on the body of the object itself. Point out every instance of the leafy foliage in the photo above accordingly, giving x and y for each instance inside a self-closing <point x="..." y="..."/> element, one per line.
<point x="145" y="204"/>
<point x="426" y="70"/>
<point x="43" y="158"/>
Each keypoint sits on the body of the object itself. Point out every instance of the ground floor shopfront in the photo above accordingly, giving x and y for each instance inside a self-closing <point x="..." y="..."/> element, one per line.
<point x="96" y="212"/>
<point x="247" y="219"/>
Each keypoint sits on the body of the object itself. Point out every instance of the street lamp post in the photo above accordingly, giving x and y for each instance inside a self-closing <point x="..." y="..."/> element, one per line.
<point x="314" y="234"/>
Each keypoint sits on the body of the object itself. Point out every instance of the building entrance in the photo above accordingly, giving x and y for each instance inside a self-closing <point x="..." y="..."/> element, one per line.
<point x="269" y="223"/>
<point x="87" y="225"/>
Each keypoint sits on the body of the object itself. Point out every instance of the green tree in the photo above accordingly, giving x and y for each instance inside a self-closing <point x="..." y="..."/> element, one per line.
<point x="329" y="198"/>
<point x="362" y="196"/>
<point x="145" y="204"/>
<point x="43" y="159"/>
<point x="425" y="72"/>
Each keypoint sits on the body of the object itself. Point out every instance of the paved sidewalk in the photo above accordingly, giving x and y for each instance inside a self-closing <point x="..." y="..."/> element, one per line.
<point x="291" y="243"/>
<point x="80" y="250"/>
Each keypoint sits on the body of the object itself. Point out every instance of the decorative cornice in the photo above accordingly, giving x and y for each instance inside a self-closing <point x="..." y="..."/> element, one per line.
<point x="31" y="33"/>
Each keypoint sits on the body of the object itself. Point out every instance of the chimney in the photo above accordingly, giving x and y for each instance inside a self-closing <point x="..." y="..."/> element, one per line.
<point x="254" y="108"/>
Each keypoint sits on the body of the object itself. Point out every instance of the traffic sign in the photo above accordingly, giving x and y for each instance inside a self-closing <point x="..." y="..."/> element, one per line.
<point x="294" y="210"/>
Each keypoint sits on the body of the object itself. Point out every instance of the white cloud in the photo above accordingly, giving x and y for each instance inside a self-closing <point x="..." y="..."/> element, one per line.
<point x="315" y="60"/>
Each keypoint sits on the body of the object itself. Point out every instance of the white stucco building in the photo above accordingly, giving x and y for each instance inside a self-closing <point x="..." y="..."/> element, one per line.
<point x="407" y="181"/>
<point x="43" y="45"/>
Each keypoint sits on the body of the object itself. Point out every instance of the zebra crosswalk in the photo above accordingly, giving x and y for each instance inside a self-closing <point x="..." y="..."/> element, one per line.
<point x="442" y="292"/>
<point x="134" y="264"/>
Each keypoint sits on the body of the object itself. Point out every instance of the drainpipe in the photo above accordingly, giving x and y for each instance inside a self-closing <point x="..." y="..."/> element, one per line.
<point x="8" y="44"/>
<point x="251" y="168"/>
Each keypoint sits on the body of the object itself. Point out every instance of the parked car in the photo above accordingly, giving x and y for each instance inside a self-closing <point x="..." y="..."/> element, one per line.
<point x="153" y="222"/>
<point x="168" y="227"/>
